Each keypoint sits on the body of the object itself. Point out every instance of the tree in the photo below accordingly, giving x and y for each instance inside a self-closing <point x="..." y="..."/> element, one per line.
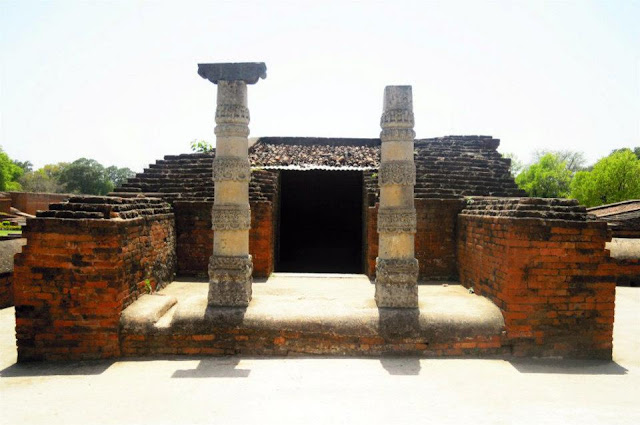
<point x="25" y="165"/>
<point x="117" y="176"/>
<point x="86" y="176"/>
<point x="575" y="161"/>
<point x="516" y="165"/>
<point x="201" y="146"/>
<point x="636" y="151"/>
<point x="547" y="178"/>
<point x="614" y="178"/>
<point x="9" y="173"/>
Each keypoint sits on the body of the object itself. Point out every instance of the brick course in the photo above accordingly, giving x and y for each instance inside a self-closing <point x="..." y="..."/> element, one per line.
<point x="6" y="290"/>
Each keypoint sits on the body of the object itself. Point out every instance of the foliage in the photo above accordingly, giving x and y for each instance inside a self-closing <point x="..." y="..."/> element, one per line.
<point x="635" y="151"/>
<point x="549" y="177"/>
<point x="86" y="176"/>
<point x="117" y="176"/>
<point x="575" y="161"/>
<point x="614" y="178"/>
<point x="40" y="181"/>
<point x="9" y="173"/>
<point x="201" y="146"/>
<point x="516" y="165"/>
<point x="25" y="165"/>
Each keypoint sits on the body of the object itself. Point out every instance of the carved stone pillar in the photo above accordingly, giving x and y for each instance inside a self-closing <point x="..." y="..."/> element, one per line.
<point x="396" y="265"/>
<point x="230" y="265"/>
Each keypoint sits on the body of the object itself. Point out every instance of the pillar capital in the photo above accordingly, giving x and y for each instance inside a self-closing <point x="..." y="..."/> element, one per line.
<point x="249" y="72"/>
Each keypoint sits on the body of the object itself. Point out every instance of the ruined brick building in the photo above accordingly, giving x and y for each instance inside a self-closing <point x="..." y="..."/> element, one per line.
<point x="314" y="201"/>
<point x="396" y="209"/>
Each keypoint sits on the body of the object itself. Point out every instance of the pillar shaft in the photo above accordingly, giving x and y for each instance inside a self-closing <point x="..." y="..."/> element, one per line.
<point x="396" y="265"/>
<point x="230" y="266"/>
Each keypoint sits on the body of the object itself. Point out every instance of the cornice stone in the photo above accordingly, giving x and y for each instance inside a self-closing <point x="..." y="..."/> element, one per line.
<point x="249" y="72"/>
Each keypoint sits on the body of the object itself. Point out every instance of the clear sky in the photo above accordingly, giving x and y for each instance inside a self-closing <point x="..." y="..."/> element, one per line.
<point x="117" y="81"/>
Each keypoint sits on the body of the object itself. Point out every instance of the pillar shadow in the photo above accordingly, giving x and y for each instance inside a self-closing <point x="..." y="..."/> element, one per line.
<point x="75" y="368"/>
<point x="225" y="367"/>
<point x="568" y="366"/>
<point x="401" y="365"/>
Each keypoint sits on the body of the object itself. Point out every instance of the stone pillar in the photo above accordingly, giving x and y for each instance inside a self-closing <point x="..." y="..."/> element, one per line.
<point x="230" y="265"/>
<point x="396" y="265"/>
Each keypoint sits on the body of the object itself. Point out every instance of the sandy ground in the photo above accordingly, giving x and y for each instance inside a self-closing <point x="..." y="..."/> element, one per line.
<point x="240" y="390"/>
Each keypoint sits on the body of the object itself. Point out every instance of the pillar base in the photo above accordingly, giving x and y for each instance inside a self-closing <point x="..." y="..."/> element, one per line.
<point x="396" y="283"/>
<point x="230" y="281"/>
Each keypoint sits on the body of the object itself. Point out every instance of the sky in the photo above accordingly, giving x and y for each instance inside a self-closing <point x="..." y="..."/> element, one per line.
<point x="117" y="81"/>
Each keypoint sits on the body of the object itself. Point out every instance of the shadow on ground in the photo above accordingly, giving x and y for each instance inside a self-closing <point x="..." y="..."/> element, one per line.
<point x="93" y="367"/>
<point x="568" y="367"/>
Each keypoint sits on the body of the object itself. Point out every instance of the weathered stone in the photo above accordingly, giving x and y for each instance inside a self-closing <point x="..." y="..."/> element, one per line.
<point x="249" y="72"/>
<point x="230" y="281"/>
<point x="396" y="267"/>
<point x="230" y="265"/>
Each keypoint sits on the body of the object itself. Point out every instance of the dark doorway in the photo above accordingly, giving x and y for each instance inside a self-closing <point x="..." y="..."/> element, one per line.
<point x="320" y="222"/>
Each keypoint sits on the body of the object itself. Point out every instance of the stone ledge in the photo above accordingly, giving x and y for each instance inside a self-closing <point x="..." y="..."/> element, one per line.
<point x="327" y="309"/>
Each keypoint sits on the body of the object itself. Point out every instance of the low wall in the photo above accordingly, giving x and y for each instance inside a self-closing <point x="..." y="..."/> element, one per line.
<point x="194" y="237"/>
<point x="6" y="290"/>
<point x="31" y="202"/>
<point x="435" y="238"/>
<point x="545" y="265"/>
<point x="84" y="262"/>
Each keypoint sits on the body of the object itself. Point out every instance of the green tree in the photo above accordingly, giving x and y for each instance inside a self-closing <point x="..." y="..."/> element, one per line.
<point x="636" y="151"/>
<point x="9" y="173"/>
<point x="614" y="178"/>
<point x="117" y="176"/>
<point x="516" y="165"/>
<point x="575" y="161"/>
<point x="86" y="176"/>
<point x="547" y="178"/>
<point x="201" y="146"/>
<point x="25" y="165"/>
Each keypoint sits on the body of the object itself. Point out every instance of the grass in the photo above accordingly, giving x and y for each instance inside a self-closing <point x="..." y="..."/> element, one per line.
<point x="10" y="232"/>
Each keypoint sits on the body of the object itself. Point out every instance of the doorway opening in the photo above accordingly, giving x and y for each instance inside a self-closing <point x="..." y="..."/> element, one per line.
<point x="320" y="227"/>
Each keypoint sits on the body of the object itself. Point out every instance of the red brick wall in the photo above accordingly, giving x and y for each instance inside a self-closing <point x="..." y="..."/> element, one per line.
<point x="627" y="271"/>
<point x="6" y="290"/>
<point x="195" y="238"/>
<point x="435" y="239"/>
<point x="552" y="279"/>
<point x="75" y="276"/>
<point x="31" y="202"/>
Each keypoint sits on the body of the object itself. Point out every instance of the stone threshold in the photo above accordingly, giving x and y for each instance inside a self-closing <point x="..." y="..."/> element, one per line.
<point x="312" y="314"/>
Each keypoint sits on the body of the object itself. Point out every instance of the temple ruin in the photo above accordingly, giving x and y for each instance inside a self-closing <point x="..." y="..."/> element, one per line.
<point x="397" y="209"/>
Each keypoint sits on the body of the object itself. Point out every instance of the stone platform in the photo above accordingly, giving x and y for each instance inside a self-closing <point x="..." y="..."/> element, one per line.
<point x="312" y="314"/>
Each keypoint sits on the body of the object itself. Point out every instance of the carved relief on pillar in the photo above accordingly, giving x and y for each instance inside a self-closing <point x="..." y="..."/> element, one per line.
<point x="231" y="130"/>
<point x="397" y="271"/>
<point x="230" y="280"/>
<point x="397" y="172"/>
<point x="397" y="135"/>
<point x="232" y="114"/>
<point x="230" y="217"/>
<point x="231" y="169"/>
<point x="397" y="118"/>
<point x="397" y="220"/>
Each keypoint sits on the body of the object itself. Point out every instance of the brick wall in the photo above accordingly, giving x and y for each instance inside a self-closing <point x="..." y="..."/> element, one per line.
<point x="195" y="237"/>
<point x="435" y="239"/>
<point x="76" y="275"/>
<point x="29" y="203"/>
<point x="547" y="269"/>
<point x="6" y="290"/>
